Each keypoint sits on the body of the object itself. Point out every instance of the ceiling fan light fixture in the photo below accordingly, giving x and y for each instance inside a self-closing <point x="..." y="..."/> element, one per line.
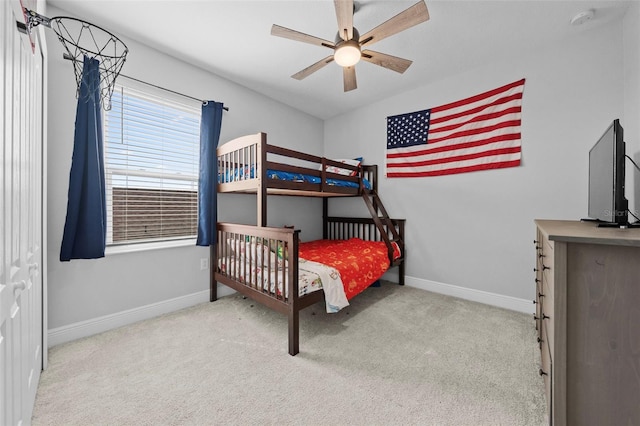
<point x="347" y="53"/>
<point x="347" y="47"/>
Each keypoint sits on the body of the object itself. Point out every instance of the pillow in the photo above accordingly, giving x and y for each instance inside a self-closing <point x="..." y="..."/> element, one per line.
<point x="345" y="172"/>
<point x="259" y="250"/>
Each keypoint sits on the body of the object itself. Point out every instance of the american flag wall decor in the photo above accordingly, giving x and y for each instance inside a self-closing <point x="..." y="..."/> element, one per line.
<point x="478" y="133"/>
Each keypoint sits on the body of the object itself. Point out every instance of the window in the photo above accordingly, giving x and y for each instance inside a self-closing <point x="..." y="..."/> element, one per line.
<point x="151" y="148"/>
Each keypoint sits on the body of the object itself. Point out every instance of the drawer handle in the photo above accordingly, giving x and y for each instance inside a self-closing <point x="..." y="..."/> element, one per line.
<point x="535" y="317"/>
<point x="540" y="294"/>
<point x="542" y="255"/>
<point x="545" y="316"/>
<point x="535" y="301"/>
<point x="537" y="280"/>
<point x="545" y="267"/>
<point x="542" y="372"/>
<point x="540" y="340"/>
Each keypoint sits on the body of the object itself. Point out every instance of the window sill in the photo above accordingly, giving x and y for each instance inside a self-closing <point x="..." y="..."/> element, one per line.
<point x="131" y="248"/>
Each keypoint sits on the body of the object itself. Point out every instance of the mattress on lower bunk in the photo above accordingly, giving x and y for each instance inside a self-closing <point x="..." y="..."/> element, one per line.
<point x="342" y="268"/>
<point x="240" y="173"/>
<point x="360" y="263"/>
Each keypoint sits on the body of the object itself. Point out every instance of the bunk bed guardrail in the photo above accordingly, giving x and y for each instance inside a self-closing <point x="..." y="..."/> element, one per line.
<point x="243" y="166"/>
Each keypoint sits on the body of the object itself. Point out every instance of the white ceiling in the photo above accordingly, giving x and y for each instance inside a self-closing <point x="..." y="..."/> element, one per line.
<point x="232" y="39"/>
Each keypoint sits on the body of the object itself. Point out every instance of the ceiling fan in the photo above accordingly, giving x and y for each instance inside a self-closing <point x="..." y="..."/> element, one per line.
<point x="348" y="46"/>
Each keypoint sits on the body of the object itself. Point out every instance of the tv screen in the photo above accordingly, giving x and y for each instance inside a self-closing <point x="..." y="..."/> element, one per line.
<point x="607" y="203"/>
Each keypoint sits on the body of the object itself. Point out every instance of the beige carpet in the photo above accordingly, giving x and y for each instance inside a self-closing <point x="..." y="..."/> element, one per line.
<point x="396" y="356"/>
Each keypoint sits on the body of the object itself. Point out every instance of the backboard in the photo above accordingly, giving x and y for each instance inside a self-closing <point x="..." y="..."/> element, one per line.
<point x="18" y="7"/>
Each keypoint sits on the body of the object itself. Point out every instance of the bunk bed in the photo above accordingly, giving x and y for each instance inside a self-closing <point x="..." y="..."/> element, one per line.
<point x="271" y="265"/>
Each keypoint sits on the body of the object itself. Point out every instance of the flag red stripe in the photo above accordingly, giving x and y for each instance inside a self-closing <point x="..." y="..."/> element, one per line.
<point x="487" y="166"/>
<point x="441" y="148"/>
<point x="506" y="99"/>
<point x="472" y="132"/>
<point x="498" y="151"/>
<point x="477" y="98"/>
<point x="488" y="116"/>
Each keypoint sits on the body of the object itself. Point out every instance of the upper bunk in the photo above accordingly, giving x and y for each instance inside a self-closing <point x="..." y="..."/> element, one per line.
<point x="249" y="164"/>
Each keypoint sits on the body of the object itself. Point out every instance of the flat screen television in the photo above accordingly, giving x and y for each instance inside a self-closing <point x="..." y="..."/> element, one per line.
<point x="607" y="202"/>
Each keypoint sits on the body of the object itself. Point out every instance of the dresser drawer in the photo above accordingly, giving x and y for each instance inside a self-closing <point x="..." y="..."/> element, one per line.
<point x="546" y="268"/>
<point x="538" y="305"/>
<point x="546" y="368"/>
<point x="539" y="259"/>
<point x="539" y="245"/>
<point x="545" y="257"/>
<point x="546" y="318"/>
<point x="547" y="289"/>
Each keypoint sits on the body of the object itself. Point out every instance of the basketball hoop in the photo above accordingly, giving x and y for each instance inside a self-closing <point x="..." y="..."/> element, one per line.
<point x="81" y="39"/>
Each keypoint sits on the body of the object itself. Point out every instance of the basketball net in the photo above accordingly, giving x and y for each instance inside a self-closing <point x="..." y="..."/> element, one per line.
<point x="82" y="39"/>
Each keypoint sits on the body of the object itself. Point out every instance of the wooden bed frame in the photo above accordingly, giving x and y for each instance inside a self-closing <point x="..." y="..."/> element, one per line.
<point x="252" y="153"/>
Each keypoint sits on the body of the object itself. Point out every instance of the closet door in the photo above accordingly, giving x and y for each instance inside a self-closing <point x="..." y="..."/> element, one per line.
<point x="21" y="219"/>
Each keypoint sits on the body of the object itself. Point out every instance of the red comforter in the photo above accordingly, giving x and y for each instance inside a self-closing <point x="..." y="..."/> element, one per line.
<point x="360" y="263"/>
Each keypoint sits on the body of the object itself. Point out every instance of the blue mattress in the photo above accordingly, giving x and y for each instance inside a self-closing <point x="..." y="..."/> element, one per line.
<point x="238" y="174"/>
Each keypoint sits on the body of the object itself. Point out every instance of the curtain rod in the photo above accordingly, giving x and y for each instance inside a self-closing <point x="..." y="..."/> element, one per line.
<point x="168" y="90"/>
<point x="68" y="57"/>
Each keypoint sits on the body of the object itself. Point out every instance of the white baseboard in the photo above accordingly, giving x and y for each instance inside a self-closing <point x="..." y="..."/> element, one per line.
<point x="78" y="330"/>
<point x="67" y="333"/>
<point x="493" y="299"/>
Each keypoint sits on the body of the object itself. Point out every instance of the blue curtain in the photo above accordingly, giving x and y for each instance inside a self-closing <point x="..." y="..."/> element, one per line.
<point x="210" y="125"/>
<point x="85" y="226"/>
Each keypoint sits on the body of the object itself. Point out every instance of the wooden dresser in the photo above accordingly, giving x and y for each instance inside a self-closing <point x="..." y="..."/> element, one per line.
<point x="588" y="322"/>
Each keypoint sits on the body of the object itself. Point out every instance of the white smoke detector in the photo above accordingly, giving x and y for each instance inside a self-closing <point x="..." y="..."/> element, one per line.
<point x="582" y="17"/>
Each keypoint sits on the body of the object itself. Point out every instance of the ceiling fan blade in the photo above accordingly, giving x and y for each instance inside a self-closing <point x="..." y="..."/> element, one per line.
<point x="349" y="77"/>
<point x="387" y="61"/>
<point x="344" y="13"/>
<point x="279" y="31"/>
<point x="312" y="68"/>
<point x="404" y="20"/>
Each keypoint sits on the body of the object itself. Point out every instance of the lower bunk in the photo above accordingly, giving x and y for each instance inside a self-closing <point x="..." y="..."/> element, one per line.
<point x="274" y="268"/>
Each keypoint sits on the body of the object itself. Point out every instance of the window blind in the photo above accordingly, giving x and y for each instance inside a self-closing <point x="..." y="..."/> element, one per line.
<point x="151" y="147"/>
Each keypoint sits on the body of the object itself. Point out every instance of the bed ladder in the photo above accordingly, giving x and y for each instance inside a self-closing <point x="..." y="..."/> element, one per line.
<point x="383" y="222"/>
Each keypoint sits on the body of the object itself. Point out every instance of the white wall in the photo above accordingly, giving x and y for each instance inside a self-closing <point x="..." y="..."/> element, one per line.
<point x="476" y="230"/>
<point x="82" y="290"/>
<point x="631" y="119"/>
